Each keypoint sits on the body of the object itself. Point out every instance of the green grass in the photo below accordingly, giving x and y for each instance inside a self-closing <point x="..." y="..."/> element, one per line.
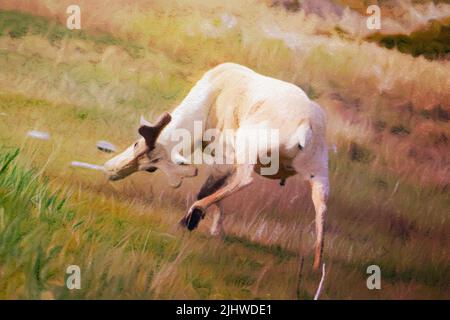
<point x="18" y="24"/>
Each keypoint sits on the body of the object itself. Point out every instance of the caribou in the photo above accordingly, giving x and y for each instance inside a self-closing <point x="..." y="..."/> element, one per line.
<point x="232" y="96"/>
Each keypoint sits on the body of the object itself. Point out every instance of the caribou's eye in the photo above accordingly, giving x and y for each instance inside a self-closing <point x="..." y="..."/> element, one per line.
<point x="135" y="145"/>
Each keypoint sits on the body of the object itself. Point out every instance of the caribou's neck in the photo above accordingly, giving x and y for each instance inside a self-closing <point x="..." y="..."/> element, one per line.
<point x="186" y="123"/>
<point x="190" y="114"/>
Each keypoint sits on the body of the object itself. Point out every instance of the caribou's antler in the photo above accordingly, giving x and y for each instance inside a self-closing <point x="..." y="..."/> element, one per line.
<point x="150" y="132"/>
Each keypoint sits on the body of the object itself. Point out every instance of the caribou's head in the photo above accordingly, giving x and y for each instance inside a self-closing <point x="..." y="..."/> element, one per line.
<point x="146" y="154"/>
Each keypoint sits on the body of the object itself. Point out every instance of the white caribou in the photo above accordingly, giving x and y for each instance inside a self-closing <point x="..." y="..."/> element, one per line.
<point x="234" y="97"/>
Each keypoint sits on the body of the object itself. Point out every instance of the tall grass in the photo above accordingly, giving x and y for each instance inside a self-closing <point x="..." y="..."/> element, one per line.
<point x="28" y="209"/>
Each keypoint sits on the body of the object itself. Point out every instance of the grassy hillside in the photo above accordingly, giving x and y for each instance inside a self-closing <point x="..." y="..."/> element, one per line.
<point x="388" y="116"/>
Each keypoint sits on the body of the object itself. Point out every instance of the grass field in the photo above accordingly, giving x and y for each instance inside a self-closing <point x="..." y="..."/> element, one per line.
<point x="388" y="118"/>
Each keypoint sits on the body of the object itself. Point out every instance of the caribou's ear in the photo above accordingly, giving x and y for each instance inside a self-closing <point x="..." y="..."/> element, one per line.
<point x="143" y="122"/>
<point x="150" y="132"/>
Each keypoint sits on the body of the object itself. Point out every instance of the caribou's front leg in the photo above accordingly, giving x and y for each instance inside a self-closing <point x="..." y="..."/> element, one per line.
<point x="214" y="182"/>
<point x="241" y="178"/>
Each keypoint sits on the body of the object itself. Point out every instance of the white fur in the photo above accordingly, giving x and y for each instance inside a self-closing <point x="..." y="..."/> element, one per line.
<point x="284" y="106"/>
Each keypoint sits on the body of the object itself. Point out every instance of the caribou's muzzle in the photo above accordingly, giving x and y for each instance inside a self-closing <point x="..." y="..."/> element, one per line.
<point x="119" y="167"/>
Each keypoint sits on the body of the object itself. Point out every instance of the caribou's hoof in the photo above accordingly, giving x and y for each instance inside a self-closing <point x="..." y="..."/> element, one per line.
<point x="192" y="219"/>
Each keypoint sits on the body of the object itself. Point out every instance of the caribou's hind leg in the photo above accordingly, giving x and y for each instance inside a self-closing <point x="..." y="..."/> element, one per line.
<point x="319" y="186"/>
